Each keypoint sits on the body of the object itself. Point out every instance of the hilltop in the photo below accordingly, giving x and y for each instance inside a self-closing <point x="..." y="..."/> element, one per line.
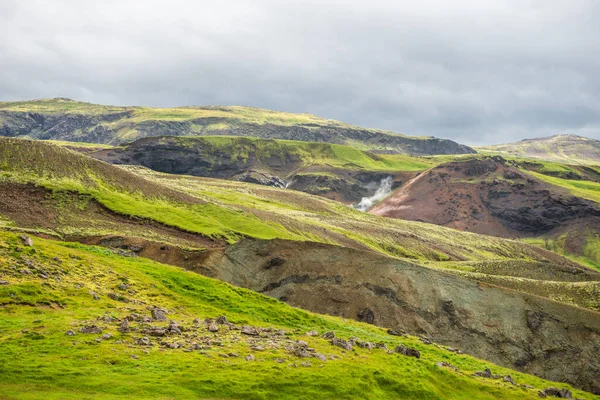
<point x="569" y="149"/>
<point x="68" y="120"/>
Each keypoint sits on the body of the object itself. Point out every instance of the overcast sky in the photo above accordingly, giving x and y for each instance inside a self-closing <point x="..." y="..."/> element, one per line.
<point x="473" y="71"/>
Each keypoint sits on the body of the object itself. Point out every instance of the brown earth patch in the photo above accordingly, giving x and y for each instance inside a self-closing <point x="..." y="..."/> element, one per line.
<point x="33" y="207"/>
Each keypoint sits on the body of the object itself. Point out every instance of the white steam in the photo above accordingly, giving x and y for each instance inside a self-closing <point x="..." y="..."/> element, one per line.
<point x="385" y="187"/>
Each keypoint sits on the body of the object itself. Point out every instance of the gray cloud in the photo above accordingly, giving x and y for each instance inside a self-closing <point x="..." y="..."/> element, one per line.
<point x="477" y="72"/>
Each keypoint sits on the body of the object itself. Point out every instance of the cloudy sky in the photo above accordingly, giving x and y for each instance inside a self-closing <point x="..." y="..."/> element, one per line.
<point x="475" y="71"/>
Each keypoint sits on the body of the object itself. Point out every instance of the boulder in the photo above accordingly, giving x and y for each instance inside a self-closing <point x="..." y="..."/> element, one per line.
<point x="344" y="344"/>
<point x="26" y="240"/>
<point x="90" y="329"/>
<point x="328" y="335"/>
<point x="250" y="330"/>
<point x="158" y="314"/>
<point x="407" y="351"/>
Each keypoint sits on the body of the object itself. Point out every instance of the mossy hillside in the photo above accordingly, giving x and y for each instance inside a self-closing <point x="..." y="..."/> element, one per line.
<point x="115" y="125"/>
<point x="38" y="360"/>
<point x="59" y="170"/>
<point x="331" y="222"/>
<point x="231" y="210"/>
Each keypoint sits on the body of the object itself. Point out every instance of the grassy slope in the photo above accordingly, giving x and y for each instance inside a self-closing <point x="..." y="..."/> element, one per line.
<point x="37" y="359"/>
<point x="233" y="209"/>
<point x="230" y="210"/>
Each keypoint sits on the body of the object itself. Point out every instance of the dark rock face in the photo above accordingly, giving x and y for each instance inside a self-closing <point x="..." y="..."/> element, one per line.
<point x="514" y="329"/>
<point x="92" y="128"/>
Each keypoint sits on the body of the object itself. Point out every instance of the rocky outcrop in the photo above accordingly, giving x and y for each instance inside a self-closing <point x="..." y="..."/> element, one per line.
<point x="517" y="330"/>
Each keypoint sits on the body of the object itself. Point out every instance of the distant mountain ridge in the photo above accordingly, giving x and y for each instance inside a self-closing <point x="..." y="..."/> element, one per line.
<point x="571" y="149"/>
<point x="69" y="120"/>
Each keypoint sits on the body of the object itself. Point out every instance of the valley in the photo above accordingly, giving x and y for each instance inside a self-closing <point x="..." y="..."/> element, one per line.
<point x="459" y="258"/>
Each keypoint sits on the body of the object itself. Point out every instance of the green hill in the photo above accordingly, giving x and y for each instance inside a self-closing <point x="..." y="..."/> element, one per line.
<point x="53" y="292"/>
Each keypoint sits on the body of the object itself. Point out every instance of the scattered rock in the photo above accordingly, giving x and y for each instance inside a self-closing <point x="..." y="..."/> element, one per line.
<point x="328" y="335"/>
<point x="155" y="331"/>
<point x="366" y="345"/>
<point x="453" y="350"/>
<point x="555" y="392"/>
<point x="70" y="332"/>
<point x="312" y="333"/>
<point x="509" y="379"/>
<point x="124" y="326"/>
<point x="221" y="320"/>
<point x="174" y="328"/>
<point x="425" y="340"/>
<point x="300" y="352"/>
<point x="134" y="357"/>
<point x="320" y="357"/>
<point x="381" y="345"/>
<point x="258" y="348"/>
<point x="442" y="364"/>
<point x="26" y="240"/>
<point x="25" y="271"/>
<point x="143" y="341"/>
<point x="158" y="314"/>
<point x="250" y="330"/>
<point x="407" y="351"/>
<point x="106" y="336"/>
<point x="4" y="283"/>
<point x="486" y="373"/>
<point x="249" y="357"/>
<point x="90" y="329"/>
<point x="43" y="276"/>
<point x="213" y="327"/>
<point x="394" y="332"/>
<point x="95" y="295"/>
<point x="118" y="297"/>
<point x="344" y="344"/>
<point x="306" y="364"/>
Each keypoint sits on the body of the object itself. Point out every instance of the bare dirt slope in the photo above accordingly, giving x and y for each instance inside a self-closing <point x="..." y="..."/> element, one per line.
<point x="518" y="330"/>
<point x="489" y="196"/>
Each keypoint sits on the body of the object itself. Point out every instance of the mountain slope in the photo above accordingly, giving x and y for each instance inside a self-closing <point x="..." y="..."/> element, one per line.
<point x="189" y="221"/>
<point x="64" y="119"/>
<point x="63" y="336"/>
<point x="570" y="149"/>
<point x="493" y="196"/>
<point x="330" y="170"/>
